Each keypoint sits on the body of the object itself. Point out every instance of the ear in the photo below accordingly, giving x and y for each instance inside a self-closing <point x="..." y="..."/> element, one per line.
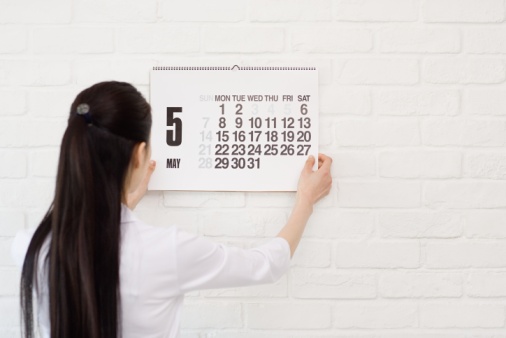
<point x="139" y="154"/>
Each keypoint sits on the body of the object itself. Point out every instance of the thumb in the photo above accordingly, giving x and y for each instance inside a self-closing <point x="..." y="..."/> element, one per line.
<point x="309" y="163"/>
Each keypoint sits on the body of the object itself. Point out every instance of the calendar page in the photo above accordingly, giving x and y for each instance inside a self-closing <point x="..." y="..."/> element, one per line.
<point x="232" y="129"/>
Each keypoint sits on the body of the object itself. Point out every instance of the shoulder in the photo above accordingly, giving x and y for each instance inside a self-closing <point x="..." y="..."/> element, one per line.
<point x="142" y="239"/>
<point x="130" y="220"/>
<point x="20" y="245"/>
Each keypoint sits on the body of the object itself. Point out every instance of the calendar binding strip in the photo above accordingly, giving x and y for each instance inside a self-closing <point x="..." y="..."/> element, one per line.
<point x="190" y="68"/>
<point x="277" y="68"/>
<point x="230" y="68"/>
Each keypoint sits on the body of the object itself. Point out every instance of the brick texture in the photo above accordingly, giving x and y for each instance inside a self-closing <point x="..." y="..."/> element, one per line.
<point x="411" y="242"/>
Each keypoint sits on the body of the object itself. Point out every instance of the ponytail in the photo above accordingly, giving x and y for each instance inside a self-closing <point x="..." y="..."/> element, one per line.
<point x="82" y="226"/>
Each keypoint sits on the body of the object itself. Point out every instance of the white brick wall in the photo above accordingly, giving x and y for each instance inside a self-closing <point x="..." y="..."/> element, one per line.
<point x="412" y="240"/>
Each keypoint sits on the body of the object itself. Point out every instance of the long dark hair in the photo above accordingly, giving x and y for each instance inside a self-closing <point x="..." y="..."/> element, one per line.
<point x="83" y="222"/>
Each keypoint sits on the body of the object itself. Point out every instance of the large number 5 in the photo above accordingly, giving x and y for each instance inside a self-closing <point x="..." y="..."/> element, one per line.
<point x="174" y="136"/>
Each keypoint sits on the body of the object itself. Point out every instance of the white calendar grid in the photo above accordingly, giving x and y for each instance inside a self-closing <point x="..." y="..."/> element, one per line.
<point x="240" y="130"/>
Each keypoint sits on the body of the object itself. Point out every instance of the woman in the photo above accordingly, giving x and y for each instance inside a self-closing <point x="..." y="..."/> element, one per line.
<point x="98" y="271"/>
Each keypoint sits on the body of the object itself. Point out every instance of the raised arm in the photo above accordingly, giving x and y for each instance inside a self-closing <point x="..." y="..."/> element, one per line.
<point x="313" y="185"/>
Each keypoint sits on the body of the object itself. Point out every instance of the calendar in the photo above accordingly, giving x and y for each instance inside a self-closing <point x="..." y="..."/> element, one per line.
<point x="232" y="128"/>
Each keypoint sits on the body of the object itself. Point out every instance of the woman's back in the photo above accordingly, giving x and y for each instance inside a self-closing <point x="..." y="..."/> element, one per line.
<point x="158" y="265"/>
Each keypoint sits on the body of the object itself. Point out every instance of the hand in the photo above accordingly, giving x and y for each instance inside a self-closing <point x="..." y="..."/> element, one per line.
<point x="314" y="185"/>
<point x="135" y="196"/>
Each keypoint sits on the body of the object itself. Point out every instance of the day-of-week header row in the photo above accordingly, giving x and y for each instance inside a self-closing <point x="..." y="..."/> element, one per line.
<point x="253" y="98"/>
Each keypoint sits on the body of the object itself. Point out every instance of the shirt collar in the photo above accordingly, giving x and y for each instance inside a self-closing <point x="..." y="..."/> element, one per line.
<point x="127" y="215"/>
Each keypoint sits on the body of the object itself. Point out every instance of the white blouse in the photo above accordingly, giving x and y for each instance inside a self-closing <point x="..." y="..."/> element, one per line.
<point x="159" y="265"/>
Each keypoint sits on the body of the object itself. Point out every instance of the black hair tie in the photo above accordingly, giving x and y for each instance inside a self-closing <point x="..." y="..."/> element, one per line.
<point x="84" y="110"/>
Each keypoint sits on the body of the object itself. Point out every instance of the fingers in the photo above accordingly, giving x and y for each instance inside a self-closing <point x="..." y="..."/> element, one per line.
<point x="152" y="165"/>
<point x="324" y="161"/>
<point x="321" y="160"/>
<point x="151" y="169"/>
<point x="325" y="172"/>
<point x="135" y="196"/>
<point x="308" y="166"/>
